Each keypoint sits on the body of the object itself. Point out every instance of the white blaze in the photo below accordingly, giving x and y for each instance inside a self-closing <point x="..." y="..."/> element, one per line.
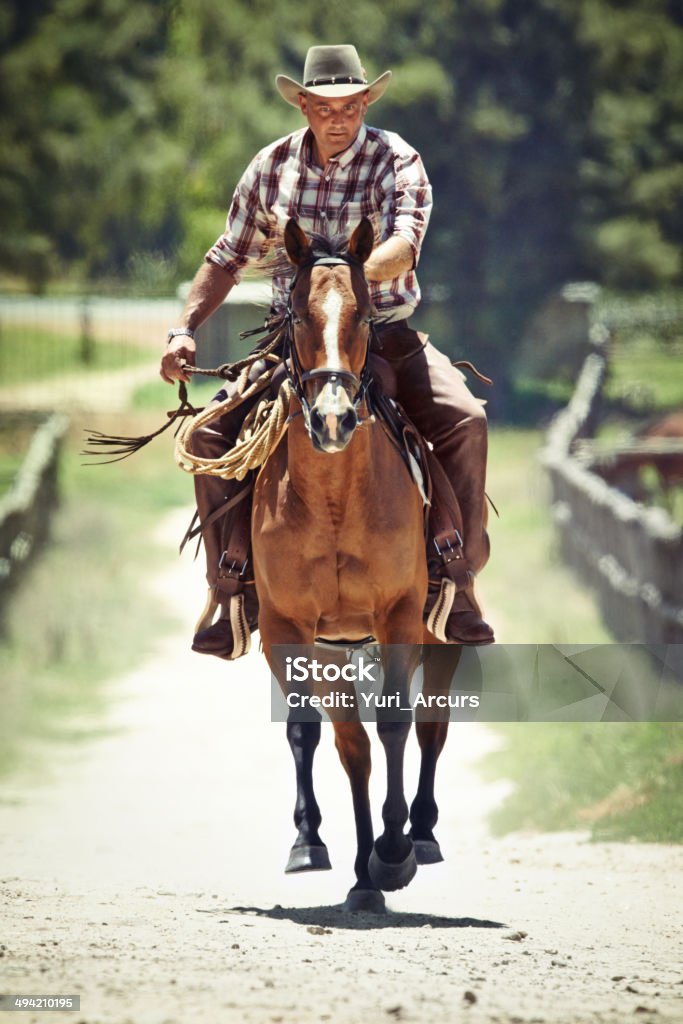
<point x="332" y="307"/>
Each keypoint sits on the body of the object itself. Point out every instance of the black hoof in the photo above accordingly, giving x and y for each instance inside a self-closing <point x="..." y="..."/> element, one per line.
<point x="427" y="851"/>
<point x="392" y="876"/>
<point x="308" y="858"/>
<point x="368" y="901"/>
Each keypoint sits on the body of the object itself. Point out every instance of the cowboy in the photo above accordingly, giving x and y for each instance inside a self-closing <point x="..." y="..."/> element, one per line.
<point x="328" y="176"/>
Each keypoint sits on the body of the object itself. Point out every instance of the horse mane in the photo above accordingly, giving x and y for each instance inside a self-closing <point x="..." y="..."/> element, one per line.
<point x="274" y="262"/>
<point x="321" y="245"/>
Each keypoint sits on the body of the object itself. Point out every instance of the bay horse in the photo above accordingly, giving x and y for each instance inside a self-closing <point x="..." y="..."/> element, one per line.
<point x="657" y="446"/>
<point x="339" y="553"/>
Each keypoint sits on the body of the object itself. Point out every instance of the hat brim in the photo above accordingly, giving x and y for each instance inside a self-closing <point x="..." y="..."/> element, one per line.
<point x="291" y="90"/>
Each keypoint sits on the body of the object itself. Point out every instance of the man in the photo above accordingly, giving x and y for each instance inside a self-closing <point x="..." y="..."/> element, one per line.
<point x="328" y="176"/>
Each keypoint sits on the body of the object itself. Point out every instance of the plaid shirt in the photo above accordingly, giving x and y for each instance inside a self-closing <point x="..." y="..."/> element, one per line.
<point x="379" y="176"/>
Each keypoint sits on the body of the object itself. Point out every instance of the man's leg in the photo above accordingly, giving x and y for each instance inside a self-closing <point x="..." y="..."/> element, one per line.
<point x="437" y="400"/>
<point x="226" y="542"/>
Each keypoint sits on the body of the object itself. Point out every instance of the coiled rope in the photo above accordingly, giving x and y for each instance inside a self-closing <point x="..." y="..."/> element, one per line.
<point x="261" y="432"/>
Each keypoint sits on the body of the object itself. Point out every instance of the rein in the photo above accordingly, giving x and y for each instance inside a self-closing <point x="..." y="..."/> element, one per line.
<point x="355" y="387"/>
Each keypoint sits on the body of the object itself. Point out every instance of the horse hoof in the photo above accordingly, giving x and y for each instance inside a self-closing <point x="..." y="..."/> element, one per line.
<point x="427" y="851"/>
<point x="308" y="858"/>
<point x="368" y="901"/>
<point x="392" y="876"/>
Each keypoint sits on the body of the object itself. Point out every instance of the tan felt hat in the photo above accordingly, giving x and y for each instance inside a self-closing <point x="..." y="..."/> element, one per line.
<point x="332" y="71"/>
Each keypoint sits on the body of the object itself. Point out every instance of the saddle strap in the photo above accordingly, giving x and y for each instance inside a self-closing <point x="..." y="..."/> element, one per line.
<point x="467" y="365"/>
<point x="445" y="523"/>
<point x="233" y="561"/>
<point x="194" y="530"/>
<point x="406" y="439"/>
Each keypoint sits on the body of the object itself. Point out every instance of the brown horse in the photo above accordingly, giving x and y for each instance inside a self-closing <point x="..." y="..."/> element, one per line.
<point x="658" y="446"/>
<point x="338" y="549"/>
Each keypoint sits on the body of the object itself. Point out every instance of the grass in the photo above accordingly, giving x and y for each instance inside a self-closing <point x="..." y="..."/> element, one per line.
<point x="82" y="614"/>
<point x="645" y="375"/>
<point x="157" y="394"/>
<point x="28" y="354"/>
<point x="621" y="781"/>
<point x="533" y="596"/>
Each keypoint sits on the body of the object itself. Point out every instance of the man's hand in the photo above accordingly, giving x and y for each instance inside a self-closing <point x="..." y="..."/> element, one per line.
<point x="179" y="350"/>
<point x="209" y="288"/>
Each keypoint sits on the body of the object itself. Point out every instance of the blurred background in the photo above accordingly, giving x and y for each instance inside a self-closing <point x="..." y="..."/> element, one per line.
<point x="552" y="132"/>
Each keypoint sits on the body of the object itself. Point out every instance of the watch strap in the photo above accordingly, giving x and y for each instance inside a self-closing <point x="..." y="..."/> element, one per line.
<point x="177" y="331"/>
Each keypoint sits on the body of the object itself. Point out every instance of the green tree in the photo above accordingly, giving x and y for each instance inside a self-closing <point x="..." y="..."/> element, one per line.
<point x="551" y="130"/>
<point x="84" y="159"/>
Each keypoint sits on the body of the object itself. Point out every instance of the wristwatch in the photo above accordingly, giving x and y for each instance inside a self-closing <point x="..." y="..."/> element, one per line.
<point x="175" y="331"/>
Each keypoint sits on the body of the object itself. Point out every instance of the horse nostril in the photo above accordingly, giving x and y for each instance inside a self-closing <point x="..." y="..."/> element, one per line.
<point x="349" y="421"/>
<point x="317" y="421"/>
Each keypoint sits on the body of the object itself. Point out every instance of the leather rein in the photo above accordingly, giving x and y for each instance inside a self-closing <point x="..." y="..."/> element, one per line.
<point x="356" y="387"/>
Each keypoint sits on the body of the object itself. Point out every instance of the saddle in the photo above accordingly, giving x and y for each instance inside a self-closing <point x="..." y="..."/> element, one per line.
<point x="442" y="516"/>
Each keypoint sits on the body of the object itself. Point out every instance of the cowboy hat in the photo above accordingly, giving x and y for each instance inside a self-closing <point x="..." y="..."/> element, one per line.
<point x="332" y="71"/>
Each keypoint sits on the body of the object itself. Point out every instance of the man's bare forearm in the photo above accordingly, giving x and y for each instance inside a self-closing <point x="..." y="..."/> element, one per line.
<point x="208" y="290"/>
<point x="389" y="260"/>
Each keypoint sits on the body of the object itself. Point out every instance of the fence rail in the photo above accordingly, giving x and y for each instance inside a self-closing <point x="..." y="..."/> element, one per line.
<point x="26" y="509"/>
<point x="630" y="554"/>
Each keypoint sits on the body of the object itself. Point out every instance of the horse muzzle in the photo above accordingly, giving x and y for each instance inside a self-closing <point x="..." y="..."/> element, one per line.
<point x="332" y="420"/>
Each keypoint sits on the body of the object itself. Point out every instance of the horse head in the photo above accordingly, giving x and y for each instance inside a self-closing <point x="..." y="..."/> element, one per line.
<point x="330" y="313"/>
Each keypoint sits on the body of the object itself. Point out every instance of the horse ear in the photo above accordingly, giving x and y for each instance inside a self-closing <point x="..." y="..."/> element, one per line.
<point x="362" y="240"/>
<point x="297" y="244"/>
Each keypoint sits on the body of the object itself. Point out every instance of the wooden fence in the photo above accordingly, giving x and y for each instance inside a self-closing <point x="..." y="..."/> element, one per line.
<point x="630" y="554"/>
<point x="26" y="509"/>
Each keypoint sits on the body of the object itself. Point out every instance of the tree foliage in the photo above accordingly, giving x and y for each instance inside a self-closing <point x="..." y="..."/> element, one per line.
<point x="552" y="131"/>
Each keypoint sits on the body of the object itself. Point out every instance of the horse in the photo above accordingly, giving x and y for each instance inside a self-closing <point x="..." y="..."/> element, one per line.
<point x="338" y="550"/>
<point x="658" y="447"/>
<point x="668" y="463"/>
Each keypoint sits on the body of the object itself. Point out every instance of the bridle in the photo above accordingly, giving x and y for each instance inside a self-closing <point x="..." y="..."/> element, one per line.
<point x="355" y="387"/>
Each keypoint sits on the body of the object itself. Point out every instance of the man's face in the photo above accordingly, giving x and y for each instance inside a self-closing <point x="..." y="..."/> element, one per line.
<point x="335" y="123"/>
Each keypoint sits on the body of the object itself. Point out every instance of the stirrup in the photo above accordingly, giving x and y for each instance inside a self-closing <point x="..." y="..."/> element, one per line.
<point x="441" y="613"/>
<point x="441" y="609"/>
<point x="239" y="625"/>
<point x="240" y="628"/>
<point x="210" y="608"/>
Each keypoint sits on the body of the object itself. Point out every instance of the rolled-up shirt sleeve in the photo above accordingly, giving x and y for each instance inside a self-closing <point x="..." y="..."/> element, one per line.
<point x="246" y="227"/>
<point x="409" y="201"/>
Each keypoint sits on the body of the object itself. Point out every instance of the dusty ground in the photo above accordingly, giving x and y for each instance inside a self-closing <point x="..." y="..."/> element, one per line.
<point x="143" y="871"/>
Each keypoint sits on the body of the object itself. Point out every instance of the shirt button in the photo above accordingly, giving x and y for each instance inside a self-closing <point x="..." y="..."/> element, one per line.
<point x="323" y="214"/>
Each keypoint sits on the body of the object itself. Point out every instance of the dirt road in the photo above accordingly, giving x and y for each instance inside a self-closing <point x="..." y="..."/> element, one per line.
<point x="143" y="872"/>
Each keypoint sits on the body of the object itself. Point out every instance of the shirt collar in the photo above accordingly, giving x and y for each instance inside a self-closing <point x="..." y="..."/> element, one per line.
<point x="352" y="151"/>
<point x="344" y="158"/>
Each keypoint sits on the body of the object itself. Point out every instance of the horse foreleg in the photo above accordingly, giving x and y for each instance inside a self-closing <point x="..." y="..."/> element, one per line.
<point x="353" y="747"/>
<point x="392" y="862"/>
<point x="308" y="853"/>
